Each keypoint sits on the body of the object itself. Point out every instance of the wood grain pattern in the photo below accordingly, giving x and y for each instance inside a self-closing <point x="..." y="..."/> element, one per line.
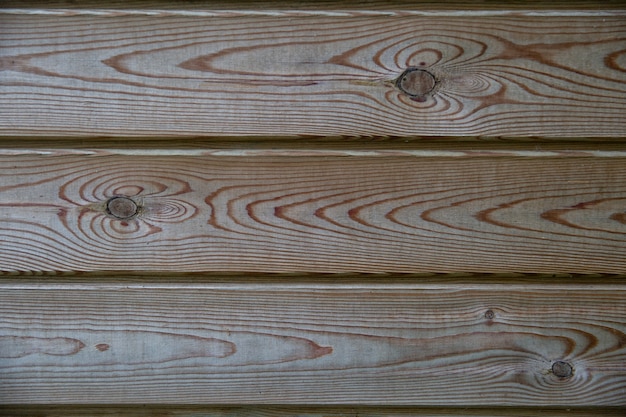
<point x="277" y="344"/>
<point x="245" y="206"/>
<point x="327" y="74"/>
<point x="314" y="214"/>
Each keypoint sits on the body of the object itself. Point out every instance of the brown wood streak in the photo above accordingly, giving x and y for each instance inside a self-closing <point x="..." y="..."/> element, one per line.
<point x="314" y="214"/>
<point x="280" y="344"/>
<point x="315" y="75"/>
<point x="17" y="347"/>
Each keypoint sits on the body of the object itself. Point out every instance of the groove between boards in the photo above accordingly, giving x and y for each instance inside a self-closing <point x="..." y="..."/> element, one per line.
<point x="303" y="411"/>
<point x="277" y="282"/>
<point x="349" y="147"/>
<point x="114" y="12"/>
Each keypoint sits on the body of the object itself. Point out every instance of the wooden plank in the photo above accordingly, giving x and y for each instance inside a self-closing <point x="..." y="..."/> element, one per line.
<point x="408" y="344"/>
<point x="326" y="214"/>
<point x="291" y="411"/>
<point x="312" y="73"/>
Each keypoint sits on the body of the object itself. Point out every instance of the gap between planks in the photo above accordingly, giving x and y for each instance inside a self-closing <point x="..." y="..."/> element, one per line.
<point x="323" y="147"/>
<point x="237" y="13"/>
<point x="319" y="153"/>
<point x="302" y="411"/>
<point x="123" y="280"/>
<point x="332" y="7"/>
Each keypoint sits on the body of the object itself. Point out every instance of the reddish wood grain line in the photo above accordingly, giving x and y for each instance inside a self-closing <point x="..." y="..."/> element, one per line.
<point x="18" y="347"/>
<point x="325" y="345"/>
<point x="311" y="76"/>
<point x="314" y="214"/>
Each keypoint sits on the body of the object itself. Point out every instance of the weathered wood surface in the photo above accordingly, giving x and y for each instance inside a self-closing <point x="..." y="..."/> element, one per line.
<point x="425" y="231"/>
<point x="358" y="344"/>
<point x="324" y="214"/>
<point x="311" y="73"/>
<point x="296" y="411"/>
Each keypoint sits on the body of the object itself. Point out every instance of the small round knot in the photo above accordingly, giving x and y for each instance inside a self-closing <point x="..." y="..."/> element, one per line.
<point x="121" y="208"/>
<point x="562" y="369"/>
<point x="417" y="83"/>
<point x="489" y="314"/>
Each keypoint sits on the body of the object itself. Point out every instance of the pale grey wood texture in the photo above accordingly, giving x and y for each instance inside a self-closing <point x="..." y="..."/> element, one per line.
<point x="497" y="213"/>
<point x="480" y="345"/>
<point x="313" y="74"/>
<point x="272" y="137"/>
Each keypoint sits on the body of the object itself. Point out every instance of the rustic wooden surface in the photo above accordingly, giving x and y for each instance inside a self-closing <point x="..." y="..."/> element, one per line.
<point x="311" y="73"/>
<point x="325" y="214"/>
<point x="320" y="344"/>
<point x="252" y="207"/>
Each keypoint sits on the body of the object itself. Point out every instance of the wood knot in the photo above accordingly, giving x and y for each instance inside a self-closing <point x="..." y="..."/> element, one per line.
<point x="122" y="208"/>
<point x="562" y="369"/>
<point x="416" y="83"/>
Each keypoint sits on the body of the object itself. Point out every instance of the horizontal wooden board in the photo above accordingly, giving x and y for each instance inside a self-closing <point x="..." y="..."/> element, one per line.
<point x="311" y="74"/>
<point x="322" y="214"/>
<point x="296" y="411"/>
<point x="279" y="344"/>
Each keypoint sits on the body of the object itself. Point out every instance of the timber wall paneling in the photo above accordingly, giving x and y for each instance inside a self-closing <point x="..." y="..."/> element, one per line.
<point x="230" y="73"/>
<point x="312" y="208"/>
